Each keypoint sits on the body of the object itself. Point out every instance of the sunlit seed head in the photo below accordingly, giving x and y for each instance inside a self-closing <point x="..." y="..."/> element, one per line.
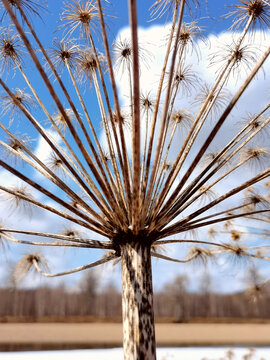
<point x="60" y="120"/>
<point x="80" y="15"/>
<point x="147" y="102"/>
<point x="212" y="233"/>
<point x="235" y="235"/>
<point x="255" y="157"/>
<point x="10" y="106"/>
<point x="11" y="50"/>
<point x="182" y="118"/>
<point x="71" y="232"/>
<point x="63" y="52"/>
<point x="256" y="10"/>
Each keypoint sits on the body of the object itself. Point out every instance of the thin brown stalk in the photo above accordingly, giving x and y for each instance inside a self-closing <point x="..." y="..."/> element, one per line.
<point x="136" y="135"/>
<point x="90" y="243"/>
<point x="50" y="195"/>
<point x="77" y="269"/>
<point x="122" y="155"/>
<point x="164" y="117"/>
<point x="160" y="86"/>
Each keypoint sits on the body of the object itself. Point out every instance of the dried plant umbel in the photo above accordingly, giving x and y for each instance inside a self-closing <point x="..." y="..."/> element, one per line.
<point x="11" y="106"/>
<point x="64" y="52"/>
<point x="80" y="15"/>
<point x="137" y="186"/>
<point x="256" y="10"/>
<point x="11" y="50"/>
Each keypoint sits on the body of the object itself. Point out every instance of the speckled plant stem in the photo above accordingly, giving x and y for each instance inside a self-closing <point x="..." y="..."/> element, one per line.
<point x="137" y="303"/>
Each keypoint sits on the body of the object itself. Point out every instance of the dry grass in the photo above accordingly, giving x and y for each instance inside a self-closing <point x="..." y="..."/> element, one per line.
<point x="98" y="335"/>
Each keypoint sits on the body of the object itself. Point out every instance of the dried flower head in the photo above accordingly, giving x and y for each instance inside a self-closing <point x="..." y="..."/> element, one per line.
<point x="64" y="52"/>
<point x="11" y="50"/>
<point x="71" y="232"/>
<point x="60" y="120"/>
<point x="17" y="145"/>
<point x="235" y="235"/>
<point x="182" y="118"/>
<point x="87" y="64"/>
<point x="243" y="58"/>
<point x="256" y="157"/>
<point x="199" y="254"/>
<point x="17" y="198"/>
<point x="25" y="264"/>
<point x="217" y="103"/>
<point x="147" y="102"/>
<point x="189" y="36"/>
<point x="55" y="164"/>
<point x="206" y="195"/>
<point x="122" y="119"/>
<point x="122" y="54"/>
<point x="80" y="15"/>
<point x="256" y="10"/>
<point x="27" y="6"/>
<point x="212" y="233"/>
<point x="186" y="80"/>
<point x="253" y="200"/>
<point x="10" y="105"/>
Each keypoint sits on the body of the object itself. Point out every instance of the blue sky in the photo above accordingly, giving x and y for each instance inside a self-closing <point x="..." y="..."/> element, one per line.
<point x="47" y="29"/>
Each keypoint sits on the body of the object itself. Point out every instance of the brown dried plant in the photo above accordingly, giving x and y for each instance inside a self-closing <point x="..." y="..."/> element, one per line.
<point x="138" y="189"/>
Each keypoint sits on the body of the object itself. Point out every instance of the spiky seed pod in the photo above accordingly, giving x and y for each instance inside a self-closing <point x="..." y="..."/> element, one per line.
<point x="86" y="64"/>
<point x="255" y="157"/>
<point x="254" y="122"/>
<point x="105" y="156"/>
<point x="228" y="224"/>
<point x="258" y="10"/>
<point x="60" y="120"/>
<point x="237" y="250"/>
<point x="147" y="103"/>
<point x="10" y="106"/>
<point x="182" y="118"/>
<point x="25" y="264"/>
<point x="200" y="254"/>
<point x="186" y="80"/>
<point x="16" y="198"/>
<point x="80" y="15"/>
<point x="123" y="119"/>
<point x="71" y="232"/>
<point x="166" y="166"/>
<point x="235" y="235"/>
<point x="220" y="101"/>
<point x="189" y="36"/>
<point x="29" y="7"/>
<point x="253" y="200"/>
<point x="11" y="50"/>
<point x="55" y="163"/>
<point x="63" y="52"/>
<point x="209" y="157"/>
<point x="212" y="233"/>
<point x="17" y="144"/>
<point x="206" y="195"/>
<point x="243" y="58"/>
<point x="122" y="54"/>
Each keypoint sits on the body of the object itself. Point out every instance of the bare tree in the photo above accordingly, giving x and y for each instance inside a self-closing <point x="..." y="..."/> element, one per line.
<point x="135" y="200"/>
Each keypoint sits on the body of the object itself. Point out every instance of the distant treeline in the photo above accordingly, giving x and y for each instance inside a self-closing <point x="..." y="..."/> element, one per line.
<point x="174" y="301"/>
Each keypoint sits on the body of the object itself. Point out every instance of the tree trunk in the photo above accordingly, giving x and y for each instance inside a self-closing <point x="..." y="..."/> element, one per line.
<point x="137" y="303"/>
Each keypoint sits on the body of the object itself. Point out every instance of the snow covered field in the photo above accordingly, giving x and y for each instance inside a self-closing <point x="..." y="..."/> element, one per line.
<point x="188" y="353"/>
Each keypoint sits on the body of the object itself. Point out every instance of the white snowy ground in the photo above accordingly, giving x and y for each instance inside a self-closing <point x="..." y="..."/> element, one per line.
<point x="198" y="353"/>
